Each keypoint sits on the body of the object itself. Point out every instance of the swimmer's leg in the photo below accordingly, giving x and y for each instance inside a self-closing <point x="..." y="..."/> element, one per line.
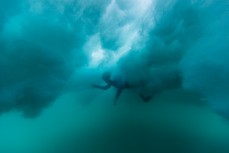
<point x="118" y="93"/>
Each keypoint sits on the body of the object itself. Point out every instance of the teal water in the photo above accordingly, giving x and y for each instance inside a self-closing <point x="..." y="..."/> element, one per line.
<point x="176" y="51"/>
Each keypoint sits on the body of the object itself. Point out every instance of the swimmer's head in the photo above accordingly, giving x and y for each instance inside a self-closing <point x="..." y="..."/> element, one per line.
<point x="106" y="76"/>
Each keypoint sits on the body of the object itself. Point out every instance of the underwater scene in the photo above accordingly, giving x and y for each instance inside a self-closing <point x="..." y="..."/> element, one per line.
<point x="114" y="76"/>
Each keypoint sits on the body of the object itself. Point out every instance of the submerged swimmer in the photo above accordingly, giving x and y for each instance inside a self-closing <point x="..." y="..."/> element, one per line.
<point x="119" y="84"/>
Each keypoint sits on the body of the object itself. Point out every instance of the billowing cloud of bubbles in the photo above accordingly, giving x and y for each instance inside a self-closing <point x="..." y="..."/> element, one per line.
<point x="47" y="45"/>
<point x="186" y="46"/>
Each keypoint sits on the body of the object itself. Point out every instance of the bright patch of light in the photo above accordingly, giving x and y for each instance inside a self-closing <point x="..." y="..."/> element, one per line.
<point x="96" y="57"/>
<point x="131" y="33"/>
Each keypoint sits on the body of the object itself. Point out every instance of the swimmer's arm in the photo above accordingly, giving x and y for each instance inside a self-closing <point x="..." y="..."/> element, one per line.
<point x="105" y="87"/>
<point x="119" y="91"/>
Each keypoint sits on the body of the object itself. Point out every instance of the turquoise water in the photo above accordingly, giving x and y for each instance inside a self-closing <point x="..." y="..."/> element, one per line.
<point x="52" y="51"/>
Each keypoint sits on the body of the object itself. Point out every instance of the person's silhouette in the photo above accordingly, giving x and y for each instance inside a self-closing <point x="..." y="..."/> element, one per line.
<point x="119" y="84"/>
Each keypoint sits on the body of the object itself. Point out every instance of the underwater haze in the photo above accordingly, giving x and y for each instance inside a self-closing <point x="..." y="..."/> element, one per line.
<point x="54" y="54"/>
